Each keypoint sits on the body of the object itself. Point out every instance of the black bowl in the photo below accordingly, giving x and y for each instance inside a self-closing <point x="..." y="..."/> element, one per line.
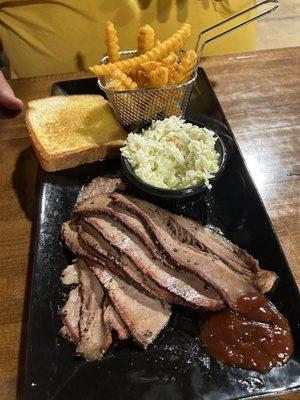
<point x="220" y="147"/>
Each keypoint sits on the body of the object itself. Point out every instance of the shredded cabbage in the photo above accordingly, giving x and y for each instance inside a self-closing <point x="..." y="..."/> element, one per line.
<point x="173" y="154"/>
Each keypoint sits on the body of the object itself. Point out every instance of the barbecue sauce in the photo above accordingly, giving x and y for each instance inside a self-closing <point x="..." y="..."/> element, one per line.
<point x="252" y="334"/>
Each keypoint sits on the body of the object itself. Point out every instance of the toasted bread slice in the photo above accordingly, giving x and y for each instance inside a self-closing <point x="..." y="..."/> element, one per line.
<point x="67" y="131"/>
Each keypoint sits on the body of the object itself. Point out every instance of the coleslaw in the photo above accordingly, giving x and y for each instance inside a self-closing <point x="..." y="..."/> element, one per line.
<point x="173" y="154"/>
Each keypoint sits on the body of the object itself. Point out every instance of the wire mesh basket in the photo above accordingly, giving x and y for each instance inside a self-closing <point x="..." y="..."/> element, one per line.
<point x="135" y="107"/>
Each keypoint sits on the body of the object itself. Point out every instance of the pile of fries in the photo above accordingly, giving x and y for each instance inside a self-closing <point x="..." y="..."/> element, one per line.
<point x="156" y="65"/>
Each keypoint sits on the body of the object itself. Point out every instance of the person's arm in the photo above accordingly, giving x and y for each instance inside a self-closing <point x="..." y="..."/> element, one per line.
<point x="8" y="100"/>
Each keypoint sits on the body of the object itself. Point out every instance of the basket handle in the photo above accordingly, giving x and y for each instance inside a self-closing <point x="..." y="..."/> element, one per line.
<point x="199" y="48"/>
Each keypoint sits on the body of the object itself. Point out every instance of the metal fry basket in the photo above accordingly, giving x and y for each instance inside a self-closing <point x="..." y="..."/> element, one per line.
<point x="135" y="107"/>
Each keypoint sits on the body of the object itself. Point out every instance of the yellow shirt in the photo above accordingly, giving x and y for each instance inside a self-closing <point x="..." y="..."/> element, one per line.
<point x="55" y="36"/>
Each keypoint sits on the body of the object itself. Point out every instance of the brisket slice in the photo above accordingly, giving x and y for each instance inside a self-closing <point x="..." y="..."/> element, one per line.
<point x="144" y="316"/>
<point x="100" y="186"/>
<point x="113" y="321"/>
<point x="211" y="269"/>
<point x="104" y="205"/>
<point x="101" y="205"/>
<point x="83" y="244"/>
<point x="186" y="288"/>
<point x="95" y="336"/>
<point x="69" y="234"/>
<point x="195" y="234"/>
<point x="70" y="314"/>
<point x="120" y="264"/>
<point x="191" y="232"/>
<point x="266" y="280"/>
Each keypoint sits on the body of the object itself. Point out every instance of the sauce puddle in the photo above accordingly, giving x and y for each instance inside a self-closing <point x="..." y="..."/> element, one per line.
<point x="252" y="334"/>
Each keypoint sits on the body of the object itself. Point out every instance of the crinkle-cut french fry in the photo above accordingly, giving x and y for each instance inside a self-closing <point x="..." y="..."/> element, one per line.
<point x="158" y="78"/>
<point x="115" y="84"/>
<point x="145" y="39"/>
<point x="133" y="76"/>
<point x="189" y="59"/>
<point x="183" y="70"/>
<point x="170" y="60"/>
<point x="189" y="71"/>
<point x="126" y="81"/>
<point x="150" y="65"/>
<point x="112" y="42"/>
<point x="189" y="62"/>
<point x="142" y="79"/>
<point x="175" y="74"/>
<point x="187" y="75"/>
<point x="174" y="43"/>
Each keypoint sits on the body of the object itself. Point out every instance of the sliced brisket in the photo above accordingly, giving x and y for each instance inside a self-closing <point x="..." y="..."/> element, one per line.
<point x="208" y="267"/>
<point x="95" y="336"/>
<point x="113" y="321"/>
<point x="85" y="245"/>
<point x="144" y="316"/>
<point x="266" y="280"/>
<point x="100" y="186"/>
<point x="101" y="205"/>
<point x="120" y="264"/>
<point x="70" y="314"/>
<point x="189" y="231"/>
<point x="134" y="260"/>
<point x="104" y="205"/>
<point x="69" y="234"/>
<point x="185" y="230"/>
<point x="181" y="284"/>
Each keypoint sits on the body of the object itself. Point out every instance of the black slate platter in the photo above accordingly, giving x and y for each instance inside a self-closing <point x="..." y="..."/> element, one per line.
<point x="174" y="367"/>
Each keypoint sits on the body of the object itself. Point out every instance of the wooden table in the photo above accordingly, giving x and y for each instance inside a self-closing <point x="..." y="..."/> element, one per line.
<point x="260" y="94"/>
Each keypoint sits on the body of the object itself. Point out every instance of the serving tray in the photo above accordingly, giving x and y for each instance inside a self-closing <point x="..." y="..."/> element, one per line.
<point x="174" y="367"/>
